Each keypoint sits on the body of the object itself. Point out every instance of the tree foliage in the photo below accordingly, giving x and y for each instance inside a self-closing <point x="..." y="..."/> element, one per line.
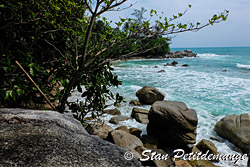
<point x="69" y="43"/>
<point x="37" y="34"/>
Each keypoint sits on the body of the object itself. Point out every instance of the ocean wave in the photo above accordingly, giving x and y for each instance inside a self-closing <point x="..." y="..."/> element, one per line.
<point x="208" y="54"/>
<point x="135" y="87"/>
<point x="243" y="66"/>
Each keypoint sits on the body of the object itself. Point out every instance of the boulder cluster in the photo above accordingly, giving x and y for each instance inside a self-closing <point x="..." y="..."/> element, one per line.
<point x="171" y="124"/>
<point x="176" y="54"/>
<point x="47" y="138"/>
<point x="179" y="54"/>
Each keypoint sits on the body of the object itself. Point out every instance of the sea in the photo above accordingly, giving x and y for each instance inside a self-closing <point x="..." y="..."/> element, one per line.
<point x="215" y="84"/>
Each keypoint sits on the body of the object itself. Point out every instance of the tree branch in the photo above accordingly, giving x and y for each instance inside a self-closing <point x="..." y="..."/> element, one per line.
<point x="88" y="6"/>
<point x="110" y="6"/>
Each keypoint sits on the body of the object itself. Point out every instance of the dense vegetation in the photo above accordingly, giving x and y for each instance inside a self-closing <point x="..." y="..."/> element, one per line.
<point x="66" y="43"/>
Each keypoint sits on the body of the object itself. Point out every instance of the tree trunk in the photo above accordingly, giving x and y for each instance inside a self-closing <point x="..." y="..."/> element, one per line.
<point x="82" y="65"/>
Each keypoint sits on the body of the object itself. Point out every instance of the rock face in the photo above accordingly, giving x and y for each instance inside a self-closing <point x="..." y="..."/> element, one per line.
<point x="100" y="129"/>
<point x="48" y="138"/>
<point x="204" y="146"/>
<point x="126" y="140"/>
<point x="117" y="119"/>
<point x="156" y="162"/>
<point x="202" y="163"/>
<point x="236" y="129"/>
<point x="185" y="65"/>
<point x="150" y="142"/>
<point x="179" y="54"/>
<point x="135" y="131"/>
<point x="172" y="123"/>
<point x="161" y="71"/>
<point x="182" y="163"/>
<point x="124" y="128"/>
<point x="114" y="111"/>
<point x="174" y="63"/>
<point x="140" y="115"/>
<point x="216" y="139"/>
<point x="149" y="95"/>
<point x="135" y="103"/>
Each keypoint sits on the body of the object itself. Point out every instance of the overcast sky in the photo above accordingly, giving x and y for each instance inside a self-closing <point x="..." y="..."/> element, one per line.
<point x="232" y="33"/>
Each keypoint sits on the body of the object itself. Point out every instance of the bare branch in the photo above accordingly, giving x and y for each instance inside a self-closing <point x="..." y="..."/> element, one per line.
<point x="89" y="7"/>
<point x="179" y="16"/>
<point x="176" y="31"/>
<point x="110" y="6"/>
<point x="104" y="50"/>
<point x="54" y="47"/>
<point x="121" y="9"/>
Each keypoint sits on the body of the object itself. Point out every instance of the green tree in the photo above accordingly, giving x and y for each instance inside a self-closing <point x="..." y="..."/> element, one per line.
<point x="68" y="42"/>
<point x="39" y="35"/>
<point x="162" y="26"/>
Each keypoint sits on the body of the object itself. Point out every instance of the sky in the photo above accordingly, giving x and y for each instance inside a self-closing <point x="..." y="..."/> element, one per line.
<point x="235" y="32"/>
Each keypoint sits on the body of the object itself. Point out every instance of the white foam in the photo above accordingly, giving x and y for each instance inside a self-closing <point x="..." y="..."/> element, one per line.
<point x="211" y="56"/>
<point x="208" y="54"/>
<point x="212" y="94"/>
<point x="243" y="66"/>
<point x="135" y="87"/>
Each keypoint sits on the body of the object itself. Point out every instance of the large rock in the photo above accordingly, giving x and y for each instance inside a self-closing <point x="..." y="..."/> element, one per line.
<point x="135" y="131"/>
<point x="150" y="142"/>
<point x="206" y="145"/>
<point x="156" y="154"/>
<point x="202" y="163"/>
<point x="100" y="129"/>
<point x="124" y="128"/>
<point x="182" y="163"/>
<point x="172" y="123"/>
<point x="161" y="71"/>
<point x="48" y="138"/>
<point x="114" y="111"/>
<point x="149" y="95"/>
<point x="185" y="65"/>
<point x="126" y="140"/>
<point x="135" y="103"/>
<point x="236" y="129"/>
<point x="117" y="119"/>
<point x="179" y="54"/>
<point x="174" y="63"/>
<point x="140" y="115"/>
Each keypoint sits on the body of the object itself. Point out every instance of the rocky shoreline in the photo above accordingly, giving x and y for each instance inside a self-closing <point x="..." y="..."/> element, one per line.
<point x="47" y="138"/>
<point x="176" y="54"/>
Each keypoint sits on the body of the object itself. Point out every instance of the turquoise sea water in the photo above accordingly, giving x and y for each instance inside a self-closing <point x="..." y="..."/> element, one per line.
<point x="203" y="86"/>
